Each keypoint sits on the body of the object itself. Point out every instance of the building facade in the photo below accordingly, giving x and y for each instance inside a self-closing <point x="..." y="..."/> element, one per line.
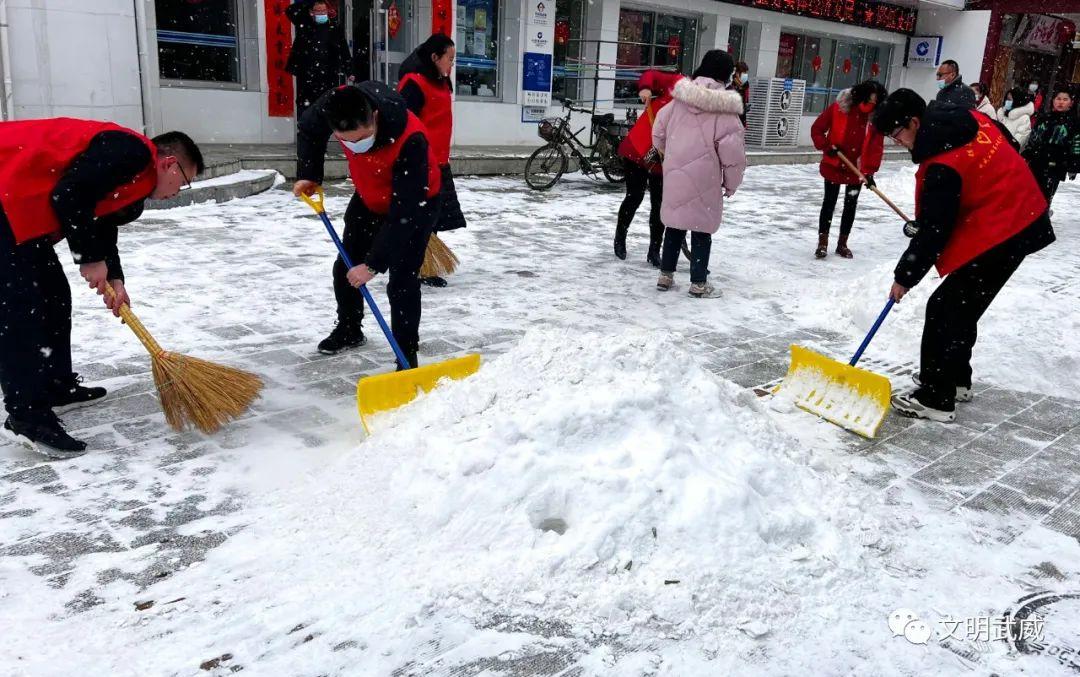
<point x="213" y="67"/>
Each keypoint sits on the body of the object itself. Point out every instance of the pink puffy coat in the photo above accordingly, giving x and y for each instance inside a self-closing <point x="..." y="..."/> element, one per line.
<point x="702" y="140"/>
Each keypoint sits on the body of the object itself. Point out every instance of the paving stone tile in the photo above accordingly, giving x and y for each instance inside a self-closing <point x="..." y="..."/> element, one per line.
<point x="438" y="347"/>
<point x="991" y="406"/>
<point x="281" y="357"/>
<point x="1065" y="522"/>
<point x="142" y="429"/>
<point x="111" y="411"/>
<point x="232" y="331"/>
<point x="756" y="373"/>
<point x="342" y="367"/>
<point x="1003" y="500"/>
<point x="36" y="476"/>
<point x="1010" y="444"/>
<point x="60" y="549"/>
<point x="931" y="440"/>
<point x="730" y="358"/>
<point x="1052" y="475"/>
<point x="1052" y="415"/>
<point x="962" y="472"/>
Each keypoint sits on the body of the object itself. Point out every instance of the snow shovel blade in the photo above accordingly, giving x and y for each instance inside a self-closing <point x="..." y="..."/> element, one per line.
<point x="852" y="398"/>
<point x="383" y="392"/>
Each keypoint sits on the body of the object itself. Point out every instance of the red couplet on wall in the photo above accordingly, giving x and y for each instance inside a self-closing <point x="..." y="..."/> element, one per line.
<point x="442" y="17"/>
<point x="278" y="44"/>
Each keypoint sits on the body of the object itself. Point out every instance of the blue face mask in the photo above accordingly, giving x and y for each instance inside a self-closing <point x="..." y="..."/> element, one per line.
<point x="322" y="18"/>
<point x="1008" y="106"/>
<point x="361" y="146"/>
<point x="941" y="84"/>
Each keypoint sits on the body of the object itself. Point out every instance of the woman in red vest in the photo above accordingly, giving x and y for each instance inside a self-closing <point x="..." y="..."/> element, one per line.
<point x="425" y="85"/>
<point x="845" y="128"/>
<point x="74" y="179"/>
<point x="389" y="219"/>
<point x="642" y="167"/>
<point x="978" y="213"/>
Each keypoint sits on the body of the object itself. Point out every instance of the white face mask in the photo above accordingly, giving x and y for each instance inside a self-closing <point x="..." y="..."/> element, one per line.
<point x="1033" y="87"/>
<point x="361" y="146"/>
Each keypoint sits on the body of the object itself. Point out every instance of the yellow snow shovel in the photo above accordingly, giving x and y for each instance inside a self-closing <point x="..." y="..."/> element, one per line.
<point x="852" y="398"/>
<point x="383" y="392"/>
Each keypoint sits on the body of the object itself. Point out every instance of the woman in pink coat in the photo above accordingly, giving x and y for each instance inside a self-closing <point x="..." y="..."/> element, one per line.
<point x="701" y="138"/>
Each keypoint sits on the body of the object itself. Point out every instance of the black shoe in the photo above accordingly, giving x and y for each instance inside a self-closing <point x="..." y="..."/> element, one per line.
<point x="75" y="395"/>
<point x="963" y="393"/>
<point x="433" y="281"/>
<point x="620" y="248"/>
<point x="653" y="257"/>
<point x="344" y="337"/>
<point x="44" y="434"/>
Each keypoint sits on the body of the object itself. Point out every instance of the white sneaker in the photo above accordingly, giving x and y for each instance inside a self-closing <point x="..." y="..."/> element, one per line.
<point x="664" y="282"/>
<point x="703" y="290"/>
<point x="907" y="405"/>
<point x="962" y="394"/>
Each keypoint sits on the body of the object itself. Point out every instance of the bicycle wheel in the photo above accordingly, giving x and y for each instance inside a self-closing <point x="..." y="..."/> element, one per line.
<point x="545" y="167"/>
<point x="613" y="170"/>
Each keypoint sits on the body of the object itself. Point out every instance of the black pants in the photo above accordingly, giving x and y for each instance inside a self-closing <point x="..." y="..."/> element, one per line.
<point x="638" y="180"/>
<point x="310" y="87"/>
<point x="403" y="284"/>
<point x="1047" y="179"/>
<point x="952" y="318"/>
<point x="828" y="205"/>
<point x="700" y="248"/>
<point x="35" y="323"/>
<point x="450" y="216"/>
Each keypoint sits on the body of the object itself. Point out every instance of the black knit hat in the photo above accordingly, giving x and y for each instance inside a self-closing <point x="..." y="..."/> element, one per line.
<point x="716" y="64"/>
<point x="898" y="110"/>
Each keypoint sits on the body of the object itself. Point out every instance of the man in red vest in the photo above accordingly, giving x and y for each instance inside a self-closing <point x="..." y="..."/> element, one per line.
<point x="391" y="215"/>
<point x="979" y="212"/>
<point x="75" y="179"/>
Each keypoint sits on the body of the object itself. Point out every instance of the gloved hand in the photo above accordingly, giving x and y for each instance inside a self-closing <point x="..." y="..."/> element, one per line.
<point x="911" y="228"/>
<point x="870" y="183"/>
<point x="832" y="151"/>
<point x="652" y="157"/>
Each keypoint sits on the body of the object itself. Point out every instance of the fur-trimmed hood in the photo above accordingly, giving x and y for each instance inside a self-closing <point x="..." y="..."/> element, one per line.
<point x="705" y="95"/>
<point x="844" y="100"/>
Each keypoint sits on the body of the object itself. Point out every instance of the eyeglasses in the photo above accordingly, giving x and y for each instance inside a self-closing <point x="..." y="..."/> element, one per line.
<point x="187" y="181"/>
<point x="896" y="132"/>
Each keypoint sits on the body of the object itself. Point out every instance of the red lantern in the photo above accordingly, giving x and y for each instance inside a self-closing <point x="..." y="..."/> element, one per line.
<point x="393" y="19"/>
<point x="1067" y="29"/>
<point x="816" y="63"/>
<point x="874" y="69"/>
<point x="442" y="17"/>
<point x="562" y="32"/>
<point x="674" y="46"/>
<point x="847" y="66"/>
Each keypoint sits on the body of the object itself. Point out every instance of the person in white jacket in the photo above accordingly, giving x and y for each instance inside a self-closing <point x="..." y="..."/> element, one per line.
<point x="1016" y="114"/>
<point x="982" y="100"/>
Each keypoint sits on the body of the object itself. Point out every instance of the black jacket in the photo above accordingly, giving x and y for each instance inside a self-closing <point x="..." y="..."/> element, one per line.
<point x="1054" y="144"/>
<point x="410" y="179"/>
<point x="320" y="52"/>
<point x="111" y="160"/>
<point x="945" y="127"/>
<point x="957" y="93"/>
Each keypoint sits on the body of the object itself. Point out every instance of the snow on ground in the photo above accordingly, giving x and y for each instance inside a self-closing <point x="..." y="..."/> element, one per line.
<point x="595" y="477"/>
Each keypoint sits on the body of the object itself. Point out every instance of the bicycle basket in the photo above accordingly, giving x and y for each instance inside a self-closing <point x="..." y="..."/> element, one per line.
<point x="550" y="129"/>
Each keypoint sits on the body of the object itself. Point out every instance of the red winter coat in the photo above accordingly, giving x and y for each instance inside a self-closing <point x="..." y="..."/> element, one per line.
<point x="845" y="126"/>
<point x="638" y="142"/>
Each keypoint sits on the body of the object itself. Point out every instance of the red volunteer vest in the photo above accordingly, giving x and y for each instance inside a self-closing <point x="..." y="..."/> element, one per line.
<point x="437" y="115"/>
<point x="33" y="157"/>
<point x="373" y="172"/>
<point x="998" y="198"/>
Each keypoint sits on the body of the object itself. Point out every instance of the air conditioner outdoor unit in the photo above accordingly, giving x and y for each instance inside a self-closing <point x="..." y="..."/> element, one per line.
<point x="776" y="109"/>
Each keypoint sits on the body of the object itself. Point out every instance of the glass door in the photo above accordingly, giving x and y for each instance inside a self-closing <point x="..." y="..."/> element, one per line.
<point x="392" y="38"/>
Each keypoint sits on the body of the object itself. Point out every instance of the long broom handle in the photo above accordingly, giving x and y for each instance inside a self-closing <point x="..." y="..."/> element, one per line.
<point x="317" y="205"/>
<point x="877" y="192"/>
<point x="152" y="346"/>
<point x="873" y="330"/>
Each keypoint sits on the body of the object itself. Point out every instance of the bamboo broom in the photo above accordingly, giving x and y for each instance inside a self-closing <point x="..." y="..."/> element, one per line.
<point x="439" y="261"/>
<point x="194" y="391"/>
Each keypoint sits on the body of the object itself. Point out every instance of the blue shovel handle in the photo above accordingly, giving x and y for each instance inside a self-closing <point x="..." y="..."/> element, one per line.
<point x="317" y="205"/>
<point x="873" y="330"/>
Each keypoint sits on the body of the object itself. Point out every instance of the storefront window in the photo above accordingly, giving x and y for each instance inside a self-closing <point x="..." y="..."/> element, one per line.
<point x="198" y="41"/>
<point x="478" y="48"/>
<point x="651" y="40"/>
<point x="569" y="66"/>
<point x="735" y="41"/>
<point x="829" y="66"/>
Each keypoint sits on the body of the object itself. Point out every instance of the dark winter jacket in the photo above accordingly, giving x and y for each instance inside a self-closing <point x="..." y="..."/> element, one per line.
<point x="957" y="93"/>
<point x="320" y="52"/>
<point x="1054" y="144"/>
<point x="743" y="88"/>
<point x="945" y="127"/>
<point x="410" y="170"/>
<point x="848" y="128"/>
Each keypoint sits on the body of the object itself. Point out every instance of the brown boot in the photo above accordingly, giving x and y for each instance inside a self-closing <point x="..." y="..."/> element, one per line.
<point x="822" y="246"/>
<point x="842" y="248"/>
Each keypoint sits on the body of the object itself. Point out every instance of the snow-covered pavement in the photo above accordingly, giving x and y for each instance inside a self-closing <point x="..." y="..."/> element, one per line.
<point x="610" y="495"/>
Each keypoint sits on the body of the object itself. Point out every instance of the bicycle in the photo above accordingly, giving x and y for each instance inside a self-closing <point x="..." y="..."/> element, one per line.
<point x="548" y="163"/>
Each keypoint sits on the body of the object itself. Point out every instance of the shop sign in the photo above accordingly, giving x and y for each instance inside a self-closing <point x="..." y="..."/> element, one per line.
<point x="539" y="48"/>
<point x="924" y="51"/>
<point x="864" y="13"/>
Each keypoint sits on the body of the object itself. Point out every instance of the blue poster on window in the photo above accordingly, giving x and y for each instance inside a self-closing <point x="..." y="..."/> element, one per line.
<point x="536" y="84"/>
